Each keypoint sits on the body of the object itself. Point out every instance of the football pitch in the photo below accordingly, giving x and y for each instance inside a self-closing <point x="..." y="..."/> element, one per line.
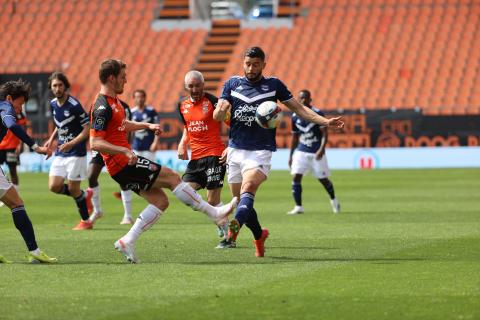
<point x="406" y="246"/>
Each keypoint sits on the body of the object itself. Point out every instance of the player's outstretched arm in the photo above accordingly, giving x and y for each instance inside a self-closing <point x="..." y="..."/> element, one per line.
<point x="52" y="137"/>
<point x="135" y="126"/>
<point x="309" y="115"/>
<point x="101" y="145"/>
<point x="222" y="110"/>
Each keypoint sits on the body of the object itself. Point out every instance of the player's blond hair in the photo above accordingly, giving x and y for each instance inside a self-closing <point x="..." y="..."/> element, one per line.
<point x="194" y="74"/>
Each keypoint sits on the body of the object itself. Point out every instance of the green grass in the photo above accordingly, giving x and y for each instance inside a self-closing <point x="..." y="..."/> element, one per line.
<point x="406" y="246"/>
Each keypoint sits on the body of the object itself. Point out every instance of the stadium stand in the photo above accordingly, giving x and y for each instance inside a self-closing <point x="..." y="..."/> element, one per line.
<point x="75" y="36"/>
<point x="378" y="54"/>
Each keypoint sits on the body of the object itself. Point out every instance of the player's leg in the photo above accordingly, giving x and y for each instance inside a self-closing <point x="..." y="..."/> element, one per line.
<point x="93" y="172"/>
<point x="12" y="168"/>
<point x="127" y="196"/>
<point x="322" y="172"/>
<point x="56" y="178"/>
<point x="76" y="168"/>
<point x="299" y="166"/>
<point x="158" y="203"/>
<point x="11" y="198"/>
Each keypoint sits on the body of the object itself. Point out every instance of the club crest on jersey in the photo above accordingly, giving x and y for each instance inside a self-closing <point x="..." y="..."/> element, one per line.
<point x="205" y="107"/>
<point x="239" y="88"/>
<point x="265" y="87"/>
<point x="66" y="113"/>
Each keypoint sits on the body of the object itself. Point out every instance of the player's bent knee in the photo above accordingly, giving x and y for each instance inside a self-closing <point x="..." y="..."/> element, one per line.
<point x="56" y="188"/>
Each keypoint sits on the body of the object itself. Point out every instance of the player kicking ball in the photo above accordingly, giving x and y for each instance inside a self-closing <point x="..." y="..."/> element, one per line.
<point x="108" y="135"/>
<point x="13" y="95"/>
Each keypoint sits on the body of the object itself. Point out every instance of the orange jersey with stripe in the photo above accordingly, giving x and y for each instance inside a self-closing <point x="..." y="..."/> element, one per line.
<point x="203" y="131"/>
<point x="10" y="141"/>
<point x="107" y="119"/>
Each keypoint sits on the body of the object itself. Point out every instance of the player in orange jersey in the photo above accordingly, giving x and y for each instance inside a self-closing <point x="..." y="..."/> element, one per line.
<point x="202" y="132"/>
<point x="108" y="135"/>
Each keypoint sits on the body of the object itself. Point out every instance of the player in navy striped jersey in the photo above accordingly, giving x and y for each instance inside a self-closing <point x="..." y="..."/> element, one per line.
<point x="70" y="162"/>
<point x="308" y="153"/>
<point x="13" y="94"/>
<point x="250" y="146"/>
<point x="145" y="142"/>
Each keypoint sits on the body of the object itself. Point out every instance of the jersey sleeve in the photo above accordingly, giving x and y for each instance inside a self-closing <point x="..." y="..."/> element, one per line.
<point x="227" y="90"/>
<point x="213" y="99"/>
<point x="101" y="115"/>
<point x="283" y="94"/>
<point x="81" y="115"/>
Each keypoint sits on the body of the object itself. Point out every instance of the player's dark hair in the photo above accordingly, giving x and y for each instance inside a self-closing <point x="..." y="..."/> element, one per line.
<point x="59" y="76"/>
<point x="307" y="92"/>
<point x="15" y="89"/>
<point x="255" y="52"/>
<point x="110" y="67"/>
<point x="140" y="91"/>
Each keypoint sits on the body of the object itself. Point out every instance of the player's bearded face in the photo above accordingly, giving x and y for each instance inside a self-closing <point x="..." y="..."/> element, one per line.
<point x="253" y="68"/>
<point x="58" y="88"/>
<point x="119" y="81"/>
<point x="195" y="88"/>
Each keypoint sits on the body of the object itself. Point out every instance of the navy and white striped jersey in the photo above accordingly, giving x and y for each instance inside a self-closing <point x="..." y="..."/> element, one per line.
<point x="70" y="119"/>
<point x="143" y="139"/>
<point x="245" y="96"/>
<point x="310" y="133"/>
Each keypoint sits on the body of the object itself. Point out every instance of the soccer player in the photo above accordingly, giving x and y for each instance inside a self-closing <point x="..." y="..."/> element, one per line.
<point x="70" y="162"/>
<point x="108" y="135"/>
<point x="250" y="146"/>
<point x="94" y="169"/>
<point x="13" y="94"/>
<point x="10" y="149"/>
<point x="202" y="132"/>
<point x="145" y="142"/>
<point x="308" y="153"/>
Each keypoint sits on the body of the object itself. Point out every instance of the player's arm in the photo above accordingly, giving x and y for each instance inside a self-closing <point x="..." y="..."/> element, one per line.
<point x="323" y="143"/>
<point x="183" y="146"/>
<point x="135" y="126"/>
<point x="222" y="110"/>
<point x="52" y="137"/>
<point x="100" y="118"/>
<point x="67" y="146"/>
<point x="156" y="139"/>
<point x="311" y="116"/>
<point x="10" y="123"/>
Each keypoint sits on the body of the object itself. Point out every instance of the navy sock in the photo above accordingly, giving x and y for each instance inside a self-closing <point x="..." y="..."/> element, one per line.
<point x="65" y="190"/>
<point x="81" y="202"/>
<point x="297" y="193"/>
<point x="254" y="225"/>
<point x="24" y="225"/>
<point x="328" y="185"/>
<point x="244" y="208"/>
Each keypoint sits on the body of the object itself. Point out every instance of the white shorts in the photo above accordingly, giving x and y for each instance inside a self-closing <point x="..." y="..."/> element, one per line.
<point x="146" y="154"/>
<point x="71" y="168"/>
<point x="305" y="161"/>
<point x="240" y="161"/>
<point x="4" y="184"/>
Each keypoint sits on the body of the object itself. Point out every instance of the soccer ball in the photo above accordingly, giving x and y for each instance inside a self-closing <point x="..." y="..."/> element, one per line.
<point x="268" y="115"/>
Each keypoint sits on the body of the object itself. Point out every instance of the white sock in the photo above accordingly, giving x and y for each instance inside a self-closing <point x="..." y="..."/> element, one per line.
<point x="96" y="199"/>
<point x="145" y="221"/>
<point x="127" y="203"/>
<point x="35" y="252"/>
<point x="185" y="193"/>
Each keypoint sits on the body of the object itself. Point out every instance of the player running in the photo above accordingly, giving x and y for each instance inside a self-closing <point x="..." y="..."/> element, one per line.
<point x="70" y="162"/>
<point x="13" y="94"/>
<point x="202" y="132"/>
<point x="308" y="153"/>
<point x="108" y="135"/>
<point x="250" y="146"/>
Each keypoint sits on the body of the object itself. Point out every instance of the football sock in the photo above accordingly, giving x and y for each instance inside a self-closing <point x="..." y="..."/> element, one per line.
<point x="185" y="193"/>
<point x="96" y="199"/>
<point x="297" y="193"/>
<point x="65" y="190"/>
<point x="329" y="187"/>
<point x="24" y="225"/>
<point x="81" y="202"/>
<point x="127" y="202"/>
<point x="145" y="221"/>
<point x="244" y="208"/>
<point x="254" y="225"/>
